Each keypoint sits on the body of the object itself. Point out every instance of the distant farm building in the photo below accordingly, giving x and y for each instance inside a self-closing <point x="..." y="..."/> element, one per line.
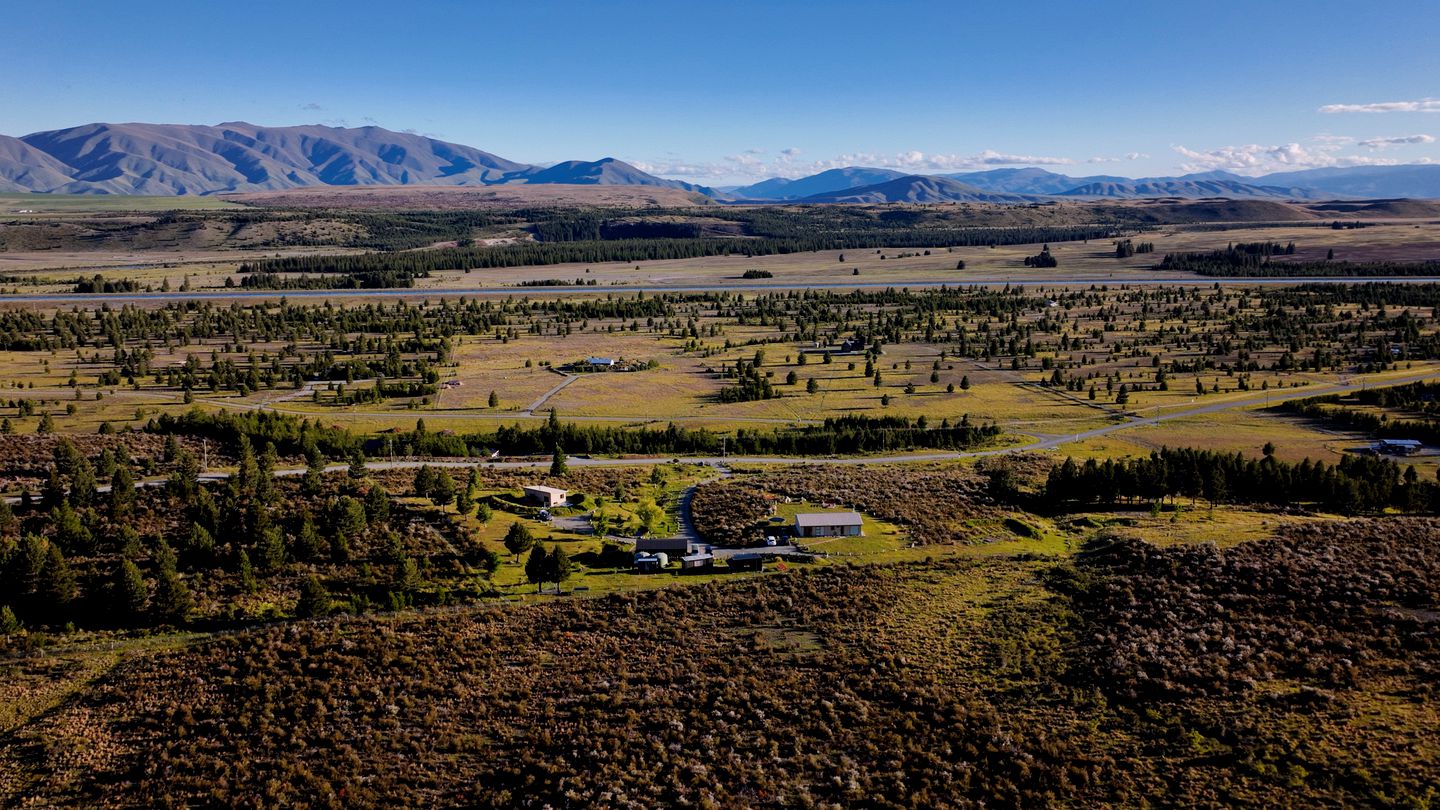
<point x="746" y="562"/>
<point x="600" y="363"/>
<point x="651" y="562"/>
<point x="697" y="562"/>
<point x="667" y="545"/>
<point x="1397" y="447"/>
<point x="850" y="345"/>
<point x="546" y="496"/>
<point x="829" y="524"/>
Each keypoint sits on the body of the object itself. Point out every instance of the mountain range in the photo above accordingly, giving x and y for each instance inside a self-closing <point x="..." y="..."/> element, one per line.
<point x="178" y="159"/>
<point x="1418" y="180"/>
<point x="175" y="159"/>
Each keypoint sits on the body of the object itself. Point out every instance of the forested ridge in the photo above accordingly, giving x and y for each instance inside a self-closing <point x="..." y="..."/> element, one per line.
<point x="1254" y="259"/>
<point x="848" y="434"/>
<point x="1417" y="407"/>
<point x="1354" y="485"/>
<point x="568" y="236"/>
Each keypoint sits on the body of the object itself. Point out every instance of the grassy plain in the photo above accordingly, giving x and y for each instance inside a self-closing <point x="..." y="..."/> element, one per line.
<point x="21" y="205"/>
<point x="212" y="253"/>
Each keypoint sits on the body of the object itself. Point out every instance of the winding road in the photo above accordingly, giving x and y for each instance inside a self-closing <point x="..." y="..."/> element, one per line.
<point x="1042" y="442"/>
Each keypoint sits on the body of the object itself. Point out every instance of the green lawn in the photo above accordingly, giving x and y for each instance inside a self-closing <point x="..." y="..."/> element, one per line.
<point x="79" y="204"/>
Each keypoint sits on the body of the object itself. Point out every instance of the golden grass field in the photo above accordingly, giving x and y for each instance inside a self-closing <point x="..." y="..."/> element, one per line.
<point x="1080" y="262"/>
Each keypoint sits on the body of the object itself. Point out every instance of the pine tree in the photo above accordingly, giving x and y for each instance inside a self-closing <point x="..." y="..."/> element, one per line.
<point x="70" y="531"/>
<point x="122" y="493"/>
<point x="308" y="544"/>
<point x="314" y="471"/>
<point x="172" y="601"/>
<point x="558" y="567"/>
<point x="424" y="479"/>
<point x="348" y="518"/>
<point x="357" y="471"/>
<point x="82" y="484"/>
<point x="536" y="566"/>
<point x="57" y="586"/>
<point x="377" y="505"/>
<point x="128" y="592"/>
<point x="442" y="490"/>
<point x="200" y="546"/>
<point x="314" y="599"/>
<point x="407" y="576"/>
<point x="557" y="461"/>
<point x="494" y="400"/>
<point x="9" y="625"/>
<point x="247" y="471"/>
<point x="518" y="539"/>
<point x="53" y="493"/>
<point x="271" y="550"/>
<point x="248" y="583"/>
<point x="265" y="475"/>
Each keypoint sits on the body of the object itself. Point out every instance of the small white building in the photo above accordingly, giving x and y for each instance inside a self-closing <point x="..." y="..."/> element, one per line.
<point x="829" y="524"/>
<point x="605" y="363"/>
<point x="697" y="562"/>
<point x="546" y="496"/>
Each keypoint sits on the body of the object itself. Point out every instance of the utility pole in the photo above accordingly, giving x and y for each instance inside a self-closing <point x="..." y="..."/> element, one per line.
<point x="204" y="455"/>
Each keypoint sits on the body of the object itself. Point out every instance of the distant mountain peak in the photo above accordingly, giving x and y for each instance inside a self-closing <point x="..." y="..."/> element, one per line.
<point x="917" y="188"/>
<point x="172" y="159"/>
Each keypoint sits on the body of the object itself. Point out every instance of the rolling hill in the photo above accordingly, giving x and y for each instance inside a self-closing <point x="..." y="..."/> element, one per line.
<point x="604" y="172"/>
<point x="1414" y="180"/>
<point x="1187" y="188"/>
<point x="917" y="188"/>
<point x="25" y="168"/>
<point x="833" y="180"/>
<point x="1029" y="181"/>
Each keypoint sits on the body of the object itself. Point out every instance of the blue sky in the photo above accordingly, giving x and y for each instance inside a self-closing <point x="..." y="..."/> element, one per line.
<point x="733" y="91"/>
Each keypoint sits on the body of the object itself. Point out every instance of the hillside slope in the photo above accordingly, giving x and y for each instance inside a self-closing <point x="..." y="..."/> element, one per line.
<point x="918" y="189"/>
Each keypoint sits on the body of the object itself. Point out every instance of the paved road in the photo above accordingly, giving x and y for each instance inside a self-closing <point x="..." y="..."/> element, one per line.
<point x="1044" y="442"/>
<point x="534" y="292"/>
<point x="468" y="415"/>
<point x="532" y="407"/>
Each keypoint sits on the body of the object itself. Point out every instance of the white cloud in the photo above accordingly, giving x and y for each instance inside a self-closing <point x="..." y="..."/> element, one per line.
<point x="1127" y="156"/>
<point x="1400" y="140"/>
<point x="1258" y="159"/>
<point x="750" y="164"/>
<point x="1423" y="105"/>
